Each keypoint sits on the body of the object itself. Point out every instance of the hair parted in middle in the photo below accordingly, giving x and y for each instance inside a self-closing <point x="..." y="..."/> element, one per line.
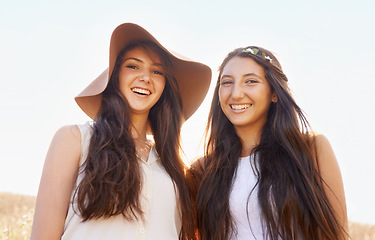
<point x="112" y="178"/>
<point x="293" y="202"/>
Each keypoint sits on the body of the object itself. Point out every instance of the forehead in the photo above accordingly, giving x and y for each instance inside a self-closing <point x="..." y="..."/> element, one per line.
<point x="241" y="66"/>
<point x="143" y="53"/>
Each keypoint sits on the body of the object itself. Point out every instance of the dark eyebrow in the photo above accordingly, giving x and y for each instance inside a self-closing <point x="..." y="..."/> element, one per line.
<point x="224" y="76"/>
<point x="246" y="75"/>
<point x="135" y="59"/>
<point x="251" y="74"/>
<point x="139" y="60"/>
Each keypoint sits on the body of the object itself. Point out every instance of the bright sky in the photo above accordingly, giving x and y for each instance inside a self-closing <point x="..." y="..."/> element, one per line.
<point x="50" y="50"/>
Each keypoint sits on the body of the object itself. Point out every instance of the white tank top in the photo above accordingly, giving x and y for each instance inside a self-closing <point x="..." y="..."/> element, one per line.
<point x="245" y="210"/>
<point x="162" y="218"/>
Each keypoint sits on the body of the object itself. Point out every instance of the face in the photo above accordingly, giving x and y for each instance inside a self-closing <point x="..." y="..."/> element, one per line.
<point x="141" y="79"/>
<point x="244" y="93"/>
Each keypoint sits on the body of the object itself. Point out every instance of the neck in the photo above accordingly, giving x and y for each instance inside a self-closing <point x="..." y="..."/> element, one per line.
<point x="139" y="126"/>
<point x="250" y="137"/>
<point x="139" y="131"/>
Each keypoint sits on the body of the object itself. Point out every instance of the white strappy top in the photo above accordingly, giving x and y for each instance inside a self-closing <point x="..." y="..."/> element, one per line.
<point x="158" y="200"/>
<point x="245" y="210"/>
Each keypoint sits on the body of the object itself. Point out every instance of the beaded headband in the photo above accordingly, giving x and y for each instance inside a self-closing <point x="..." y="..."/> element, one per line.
<point x="255" y="51"/>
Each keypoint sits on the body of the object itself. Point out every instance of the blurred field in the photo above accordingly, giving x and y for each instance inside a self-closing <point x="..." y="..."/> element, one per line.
<point x="16" y="214"/>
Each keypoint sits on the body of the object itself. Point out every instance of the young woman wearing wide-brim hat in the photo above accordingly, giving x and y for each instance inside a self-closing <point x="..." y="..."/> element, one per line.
<point x="106" y="179"/>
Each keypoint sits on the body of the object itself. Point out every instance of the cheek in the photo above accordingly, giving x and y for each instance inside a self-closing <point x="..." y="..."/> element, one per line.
<point x="123" y="79"/>
<point x="263" y="93"/>
<point x="222" y="94"/>
<point x="161" y="85"/>
<point x="122" y="85"/>
<point x="223" y="97"/>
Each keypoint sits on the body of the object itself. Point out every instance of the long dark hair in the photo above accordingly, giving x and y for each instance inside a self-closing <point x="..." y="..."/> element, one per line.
<point x="291" y="195"/>
<point x="112" y="180"/>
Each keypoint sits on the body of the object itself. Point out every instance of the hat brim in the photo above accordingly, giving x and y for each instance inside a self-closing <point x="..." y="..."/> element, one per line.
<point x="193" y="78"/>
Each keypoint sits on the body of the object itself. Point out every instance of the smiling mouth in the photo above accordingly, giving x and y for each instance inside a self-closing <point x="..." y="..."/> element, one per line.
<point x="239" y="106"/>
<point x="141" y="91"/>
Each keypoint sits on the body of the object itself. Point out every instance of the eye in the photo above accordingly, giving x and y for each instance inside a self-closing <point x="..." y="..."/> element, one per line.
<point x="158" y="72"/>
<point x="250" y="81"/>
<point x="226" y="82"/>
<point x="131" y="66"/>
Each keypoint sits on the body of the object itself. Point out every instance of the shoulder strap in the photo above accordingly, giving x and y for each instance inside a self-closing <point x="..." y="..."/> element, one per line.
<point x="86" y="132"/>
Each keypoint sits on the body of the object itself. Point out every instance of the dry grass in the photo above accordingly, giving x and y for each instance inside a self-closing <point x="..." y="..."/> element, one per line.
<point x="16" y="214"/>
<point x="361" y="231"/>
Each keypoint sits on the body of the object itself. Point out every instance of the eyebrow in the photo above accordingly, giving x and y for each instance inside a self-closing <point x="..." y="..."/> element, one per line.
<point x="252" y="74"/>
<point x="139" y="60"/>
<point x="246" y="75"/>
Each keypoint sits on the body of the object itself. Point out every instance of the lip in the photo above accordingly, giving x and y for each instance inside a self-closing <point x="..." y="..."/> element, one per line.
<point x="139" y="91"/>
<point x="240" y="107"/>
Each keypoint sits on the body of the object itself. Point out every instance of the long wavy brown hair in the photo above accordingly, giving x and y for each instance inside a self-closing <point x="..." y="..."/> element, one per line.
<point x="112" y="179"/>
<point x="291" y="195"/>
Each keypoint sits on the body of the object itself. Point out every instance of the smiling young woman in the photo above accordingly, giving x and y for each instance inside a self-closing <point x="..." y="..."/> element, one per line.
<point x="141" y="79"/>
<point x="105" y="179"/>
<point x="264" y="174"/>
<point x="245" y="98"/>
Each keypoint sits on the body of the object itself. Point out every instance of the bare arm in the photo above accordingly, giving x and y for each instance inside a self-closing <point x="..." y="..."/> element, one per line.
<point x="56" y="185"/>
<point x="331" y="174"/>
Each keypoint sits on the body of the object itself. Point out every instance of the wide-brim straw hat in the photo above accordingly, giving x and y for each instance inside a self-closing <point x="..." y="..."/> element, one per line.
<point x="193" y="78"/>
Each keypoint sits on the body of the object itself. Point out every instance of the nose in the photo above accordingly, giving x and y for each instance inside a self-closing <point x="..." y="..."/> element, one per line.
<point x="145" y="76"/>
<point x="237" y="91"/>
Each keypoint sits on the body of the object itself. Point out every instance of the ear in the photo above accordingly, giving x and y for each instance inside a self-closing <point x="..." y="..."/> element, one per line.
<point x="274" y="97"/>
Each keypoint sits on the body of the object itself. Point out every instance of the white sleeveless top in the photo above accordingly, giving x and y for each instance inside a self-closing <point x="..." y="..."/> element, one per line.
<point x="247" y="218"/>
<point x="158" y="201"/>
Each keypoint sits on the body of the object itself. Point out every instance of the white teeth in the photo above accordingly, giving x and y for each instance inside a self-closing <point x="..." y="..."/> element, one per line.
<point x="141" y="91"/>
<point x="239" y="106"/>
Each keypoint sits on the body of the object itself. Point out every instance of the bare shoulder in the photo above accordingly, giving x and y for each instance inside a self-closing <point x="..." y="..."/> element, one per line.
<point x="67" y="138"/>
<point x="321" y="140"/>
<point x="331" y="175"/>
<point x="57" y="183"/>
<point x="65" y="149"/>
<point x="324" y="152"/>
<point x="68" y="132"/>
<point x="326" y="159"/>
